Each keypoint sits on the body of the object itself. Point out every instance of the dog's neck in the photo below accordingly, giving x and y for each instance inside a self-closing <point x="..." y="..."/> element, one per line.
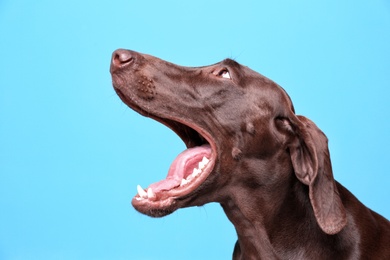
<point x="261" y="218"/>
<point x="253" y="241"/>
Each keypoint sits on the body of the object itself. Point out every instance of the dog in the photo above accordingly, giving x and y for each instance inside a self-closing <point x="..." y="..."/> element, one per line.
<point x="269" y="168"/>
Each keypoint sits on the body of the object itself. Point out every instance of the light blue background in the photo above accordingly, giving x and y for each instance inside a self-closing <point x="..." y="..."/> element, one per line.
<point x="71" y="153"/>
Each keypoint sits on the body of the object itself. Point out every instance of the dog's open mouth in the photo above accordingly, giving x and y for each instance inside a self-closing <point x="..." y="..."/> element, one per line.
<point x="187" y="172"/>
<point x="185" y="168"/>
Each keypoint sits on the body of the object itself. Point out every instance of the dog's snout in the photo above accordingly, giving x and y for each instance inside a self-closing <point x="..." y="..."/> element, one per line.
<point x="121" y="58"/>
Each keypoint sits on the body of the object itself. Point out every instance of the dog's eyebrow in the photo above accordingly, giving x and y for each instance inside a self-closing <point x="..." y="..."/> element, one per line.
<point x="230" y="62"/>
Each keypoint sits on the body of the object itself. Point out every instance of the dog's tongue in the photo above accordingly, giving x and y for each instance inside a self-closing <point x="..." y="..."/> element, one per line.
<point x="182" y="167"/>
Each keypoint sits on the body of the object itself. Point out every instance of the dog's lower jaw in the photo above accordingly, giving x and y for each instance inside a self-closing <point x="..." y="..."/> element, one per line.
<point x="155" y="209"/>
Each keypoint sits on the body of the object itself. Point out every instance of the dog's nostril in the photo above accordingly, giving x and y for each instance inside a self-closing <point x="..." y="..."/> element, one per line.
<point x="122" y="57"/>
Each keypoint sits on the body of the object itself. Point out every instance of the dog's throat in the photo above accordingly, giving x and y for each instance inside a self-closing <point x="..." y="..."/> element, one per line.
<point x="187" y="166"/>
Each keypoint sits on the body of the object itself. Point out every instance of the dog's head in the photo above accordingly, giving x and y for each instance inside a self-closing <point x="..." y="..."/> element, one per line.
<point x="240" y="129"/>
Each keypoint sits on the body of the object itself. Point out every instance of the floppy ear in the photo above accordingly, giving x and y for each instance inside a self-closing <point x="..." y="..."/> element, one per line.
<point x="311" y="162"/>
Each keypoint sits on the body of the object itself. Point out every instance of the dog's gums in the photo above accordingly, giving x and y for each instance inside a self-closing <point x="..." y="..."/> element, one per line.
<point x="184" y="170"/>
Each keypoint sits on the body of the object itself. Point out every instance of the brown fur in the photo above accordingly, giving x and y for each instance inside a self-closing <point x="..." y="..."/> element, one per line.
<point x="272" y="172"/>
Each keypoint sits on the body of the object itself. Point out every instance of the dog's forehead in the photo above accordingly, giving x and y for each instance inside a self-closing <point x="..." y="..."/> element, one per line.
<point x="248" y="77"/>
<point x="243" y="75"/>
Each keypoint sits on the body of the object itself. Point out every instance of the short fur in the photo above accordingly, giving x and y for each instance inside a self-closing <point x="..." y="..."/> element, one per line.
<point x="272" y="172"/>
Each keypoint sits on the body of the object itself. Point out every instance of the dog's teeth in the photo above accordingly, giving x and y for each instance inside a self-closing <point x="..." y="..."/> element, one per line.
<point x="184" y="182"/>
<point x="201" y="165"/>
<point x="151" y="194"/>
<point x="190" y="177"/>
<point x="196" y="172"/>
<point x="205" y="161"/>
<point x="141" y="192"/>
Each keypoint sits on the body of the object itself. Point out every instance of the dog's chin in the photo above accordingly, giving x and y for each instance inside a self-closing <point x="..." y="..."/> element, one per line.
<point x="155" y="209"/>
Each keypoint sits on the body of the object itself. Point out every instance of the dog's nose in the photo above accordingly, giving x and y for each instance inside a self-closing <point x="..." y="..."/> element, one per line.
<point x="121" y="58"/>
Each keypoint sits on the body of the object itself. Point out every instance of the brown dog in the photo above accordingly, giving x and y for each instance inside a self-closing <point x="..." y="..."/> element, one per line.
<point x="269" y="168"/>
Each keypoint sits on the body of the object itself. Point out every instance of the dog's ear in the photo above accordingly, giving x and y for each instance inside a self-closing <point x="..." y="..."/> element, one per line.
<point x="311" y="162"/>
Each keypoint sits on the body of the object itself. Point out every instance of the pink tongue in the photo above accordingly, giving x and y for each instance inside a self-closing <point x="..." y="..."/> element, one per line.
<point x="182" y="166"/>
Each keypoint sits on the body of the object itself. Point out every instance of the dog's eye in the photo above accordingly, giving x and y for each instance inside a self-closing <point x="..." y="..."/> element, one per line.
<point x="224" y="74"/>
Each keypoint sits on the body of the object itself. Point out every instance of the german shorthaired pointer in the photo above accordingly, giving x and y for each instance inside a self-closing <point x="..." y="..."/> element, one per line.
<point x="269" y="168"/>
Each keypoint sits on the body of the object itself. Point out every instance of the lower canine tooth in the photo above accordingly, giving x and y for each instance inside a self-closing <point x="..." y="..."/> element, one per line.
<point x="151" y="194"/>
<point x="141" y="192"/>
